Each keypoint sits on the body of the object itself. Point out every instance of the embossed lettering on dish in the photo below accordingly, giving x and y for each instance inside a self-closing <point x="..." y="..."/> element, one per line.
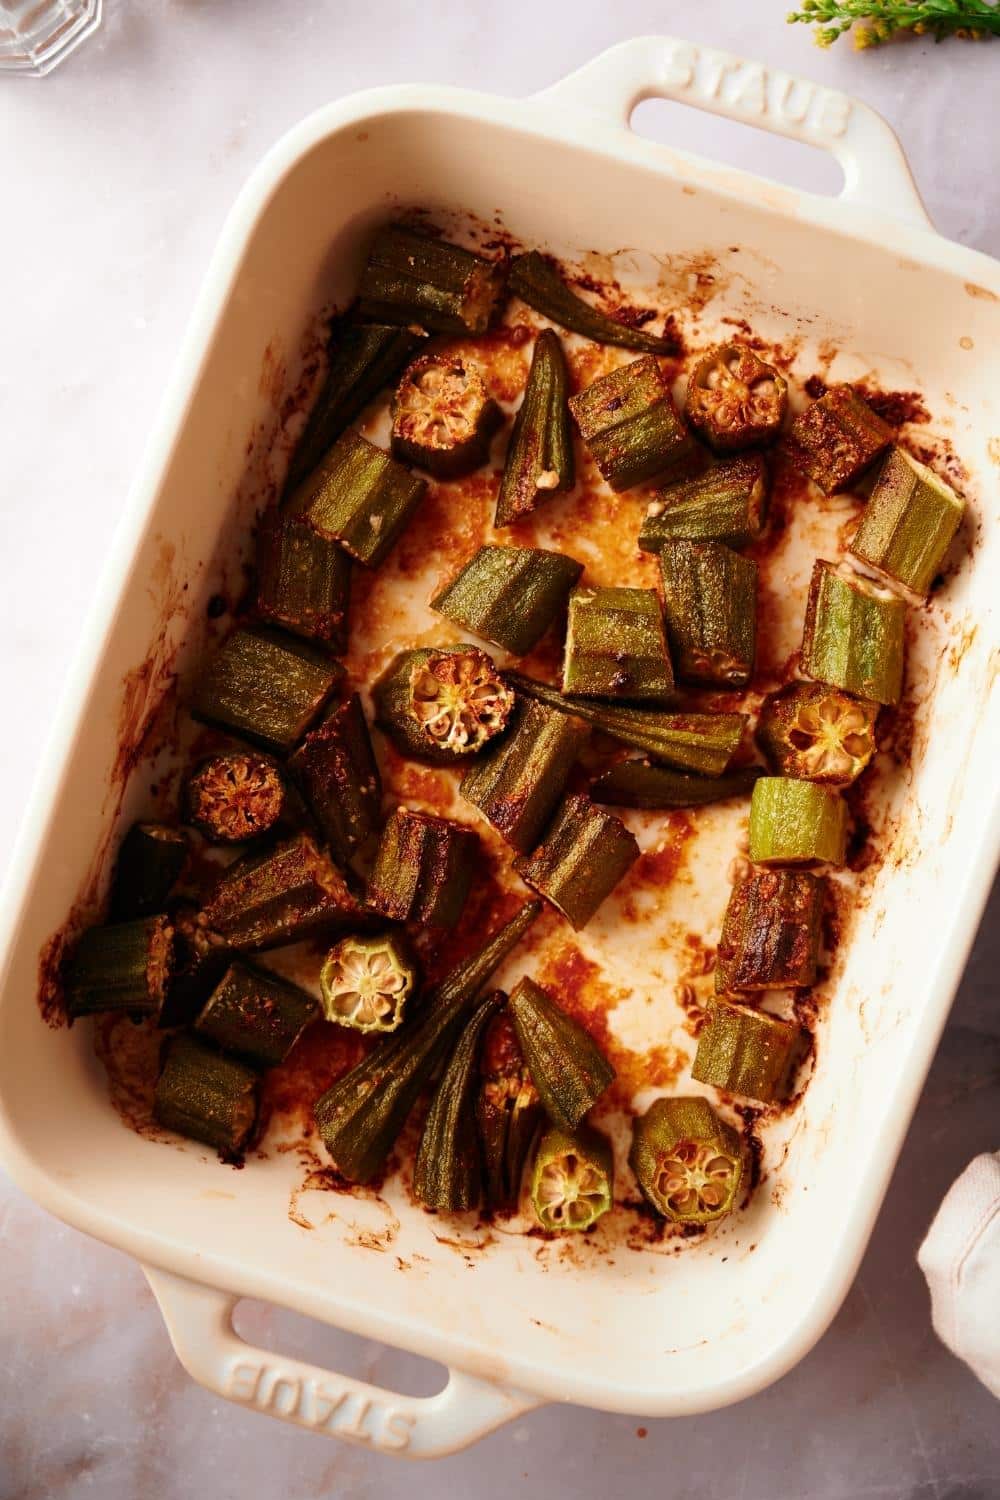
<point x="317" y="1404"/>
<point x="750" y="89"/>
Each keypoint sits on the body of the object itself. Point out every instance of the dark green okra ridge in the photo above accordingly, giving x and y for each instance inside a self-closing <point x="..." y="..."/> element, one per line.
<point x="539" y="284"/>
<point x="616" y="646"/>
<point x="122" y="966"/>
<point x="423" y="869"/>
<point x="256" y="1016"/>
<point x="280" y="894"/>
<point x="413" y="278"/>
<point x="205" y="1096"/>
<point x="509" y="595"/>
<point x="303" y="580"/>
<point x="517" y="785"/>
<point x="150" y="859"/>
<point x="265" y="687"/>
<point x="539" y="461"/>
<point x="710" y="609"/>
<point x="567" y="1067"/>
<point x="336" y="771"/>
<point x="447" y="1171"/>
<point x="639" y="783"/>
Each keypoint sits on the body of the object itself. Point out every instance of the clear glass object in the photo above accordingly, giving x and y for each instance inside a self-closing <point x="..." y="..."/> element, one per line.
<point x="35" y="35"/>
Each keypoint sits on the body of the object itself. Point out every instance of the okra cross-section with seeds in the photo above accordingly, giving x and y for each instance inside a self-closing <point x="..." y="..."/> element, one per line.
<point x="854" y="636"/>
<point x="537" y="282"/>
<point x="443" y="417"/>
<point x="796" y="822"/>
<point x="366" y="982"/>
<point x="205" y="1096"/>
<point x="423" y="869"/>
<point x="687" y="1161"/>
<point x="235" y="796"/>
<point x="771" y="932"/>
<point x="710" y="608"/>
<point x="735" y="399"/>
<point x="517" y="785"/>
<point x="447" y="1172"/>
<point x="836" y="439"/>
<point x="817" y="733"/>
<point x="442" y="703"/>
<point x="616" y="646"/>
<point x="150" y="859"/>
<point x="303" y="580"/>
<point x="336" y="771"/>
<point x="728" y="503"/>
<point x="509" y="595"/>
<point x="256" y="1015"/>
<point x="566" y="1065"/>
<point x="124" y="966"/>
<point x="748" y="1052"/>
<point x="358" y="497"/>
<point x="539" y="461"/>
<point x="639" y="783"/>
<point x="265" y="687"/>
<point x="508" y="1111"/>
<point x="279" y="895"/>
<point x="908" y="524"/>
<point x="631" y="428"/>
<point x="572" y="1180"/>
<point x="417" y="279"/>
<point x="585" y="853"/>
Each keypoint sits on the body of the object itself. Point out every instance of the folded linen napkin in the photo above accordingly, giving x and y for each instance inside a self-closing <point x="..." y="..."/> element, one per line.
<point x="960" y="1258"/>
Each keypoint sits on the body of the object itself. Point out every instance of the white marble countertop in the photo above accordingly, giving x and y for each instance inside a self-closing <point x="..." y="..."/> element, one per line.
<point x="115" y="176"/>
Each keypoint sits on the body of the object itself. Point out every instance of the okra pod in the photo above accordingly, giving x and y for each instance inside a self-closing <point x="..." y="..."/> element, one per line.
<point x="508" y="1111"/>
<point x="854" y="636"/>
<point x="796" y="822"/>
<point x="638" y="783"/>
<point x="279" y="895"/>
<point x="585" y="854"/>
<point x="412" y="278"/>
<point x="265" y="687"/>
<point x="150" y="859"/>
<point x="536" y="281"/>
<point x="728" y="503"/>
<point x="631" y="428"/>
<point x="517" y="785"/>
<point x="201" y="957"/>
<point x="336" y="772"/>
<point x="509" y="595"/>
<point x="745" y="1051"/>
<point x="566" y="1065"/>
<point x="736" y="400"/>
<point x="124" y="966"/>
<point x="205" y="1096"/>
<point x="235" y="796"/>
<point x="908" y="524"/>
<point x="443" y="417"/>
<point x="710" y="608"/>
<point x="539" y="460"/>
<point x="361" y="1114"/>
<point x="358" y="497"/>
<point x="255" y="1015"/>
<point x="423" y="869"/>
<point x="303" y="580"/>
<point x="836" y="438"/>
<point x="616" y="646"/>
<point x="442" y="703"/>
<point x="771" y="932"/>
<point x="366" y="982"/>
<point x="448" y="1168"/>
<point x="817" y="733"/>
<point x="572" y="1180"/>
<point x="687" y="1161"/>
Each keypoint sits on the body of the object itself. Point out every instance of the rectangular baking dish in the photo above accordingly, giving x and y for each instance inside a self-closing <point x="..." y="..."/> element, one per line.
<point x="642" y="1331"/>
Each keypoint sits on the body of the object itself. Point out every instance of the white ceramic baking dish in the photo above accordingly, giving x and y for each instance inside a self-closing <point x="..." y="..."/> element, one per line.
<point x="637" y="1331"/>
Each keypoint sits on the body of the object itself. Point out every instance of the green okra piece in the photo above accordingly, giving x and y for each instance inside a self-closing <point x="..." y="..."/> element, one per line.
<point x="616" y="646"/>
<point x="358" y="497"/>
<point x="265" y="687"/>
<point x="536" y="281"/>
<point x="631" y="427"/>
<point x="585" y="854"/>
<point x="423" y="869"/>
<point x="703" y="743"/>
<point x="796" y="822"/>
<point x="908" y="524"/>
<point x="836" y="438"/>
<point x="854" y="635"/>
<point x="205" y="1096"/>
<point x="255" y="1015"/>
<point x="517" y="785"/>
<point x="817" y="733"/>
<point x="150" y="859"/>
<point x="367" y="980"/>
<point x="361" y="1114"/>
<point x="566" y="1065"/>
<point x="280" y="895"/>
<point x="303" y="580"/>
<point x="728" y="503"/>
<point x="235" y="796"/>
<point x="710" y="608"/>
<point x="745" y="1051"/>
<point x="687" y="1161"/>
<point x="442" y="703"/>
<point x="735" y="399"/>
<point x="336" y="771"/>
<point x="572" y="1180"/>
<point x="639" y="783"/>
<point x="124" y="966"/>
<point x="539" y="460"/>
<point x="771" y="932"/>
<point x="413" y="278"/>
<point x="447" y="1172"/>
<point x="443" y="417"/>
<point x="509" y="595"/>
<point x="201" y="957"/>
<point x="508" y="1111"/>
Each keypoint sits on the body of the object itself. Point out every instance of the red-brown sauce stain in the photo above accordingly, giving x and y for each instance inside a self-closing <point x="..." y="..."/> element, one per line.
<point x="320" y="1056"/>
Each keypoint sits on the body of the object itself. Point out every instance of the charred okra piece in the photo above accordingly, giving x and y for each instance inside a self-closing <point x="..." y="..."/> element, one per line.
<point x="854" y="636"/>
<point x="908" y="524"/>
<point x="423" y="869"/>
<point x="616" y="646"/>
<point x="235" y="796"/>
<point x="735" y="400"/>
<point x="265" y="687"/>
<point x="201" y="957"/>
<point x="443" y="417"/>
<point x="836" y="438"/>
<point x="536" y="281"/>
<point x="280" y="895"/>
<point x="255" y="1015"/>
<point x="517" y="786"/>
<point x="508" y="1111"/>
<point x="771" y="932"/>
<point x="361" y="1115"/>
<point x="638" y="783"/>
<point x="358" y="497"/>
<point x="817" y="733"/>
<point x="748" y="1052"/>
<point x="336" y="772"/>
<point x="572" y="1180"/>
<point x="567" y="1067"/>
<point x="448" y="1168"/>
<point x="509" y="595"/>
<point x="412" y="278"/>
<point x="796" y="823"/>
<point x="687" y="1161"/>
<point x="442" y="703"/>
<point x="205" y="1096"/>
<point x="366" y="982"/>
<point x="631" y="428"/>
<point x="728" y="503"/>
<point x="539" y="460"/>
<point x="125" y="966"/>
<point x="710" y="606"/>
<point x="585" y="854"/>
<point x="150" y="859"/>
<point x="303" y="580"/>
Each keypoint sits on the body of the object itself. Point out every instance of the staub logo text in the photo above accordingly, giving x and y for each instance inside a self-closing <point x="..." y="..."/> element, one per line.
<point x="342" y="1410"/>
<point x="748" y="89"/>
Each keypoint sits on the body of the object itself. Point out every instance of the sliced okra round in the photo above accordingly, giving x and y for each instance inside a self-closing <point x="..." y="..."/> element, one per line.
<point x="796" y="822"/>
<point x="442" y="703"/>
<point x="736" y="400"/>
<point x="572" y="1180"/>
<point x="443" y="417"/>
<point x="817" y="733"/>
<point x="687" y="1161"/>
<point x="235" y="796"/>
<point x="366" y="982"/>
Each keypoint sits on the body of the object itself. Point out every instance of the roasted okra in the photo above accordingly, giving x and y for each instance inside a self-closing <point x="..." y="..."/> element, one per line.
<point x="728" y="503"/>
<point x="836" y="439"/>
<point x="616" y="646"/>
<point x="771" y="932"/>
<point x="796" y="822"/>
<point x="639" y="783"/>
<point x="687" y="1161"/>
<point x="736" y="400"/>
<point x="508" y="1111"/>
<point x="265" y="687"/>
<point x="125" y="966"/>
<point x="631" y="428"/>
<point x="367" y="980"/>
<point x="748" y="1052"/>
<point x="536" y="281"/>
<point x="817" y="733"/>
<point x="443" y="417"/>
<point x="509" y="595"/>
<point x="584" y="855"/>
<point x="854" y="635"/>
<point x="539" y="460"/>
<point x="908" y="524"/>
<point x="256" y="1015"/>
<point x="303" y="580"/>
<point x="280" y="894"/>
<point x="206" y="1096"/>
<point x="442" y="703"/>
<point x="710" y="607"/>
<point x="517" y="785"/>
<point x="423" y="869"/>
<point x="150" y="860"/>
<point x="567" y="1067"/>
<point x="235" y="796"/>
<point x="418" y="280"/>
<point x="358" y="497"/>
<point x="336" y="772"/>
<point x="447" y="1173"/>
<point x="572" y="1180"/>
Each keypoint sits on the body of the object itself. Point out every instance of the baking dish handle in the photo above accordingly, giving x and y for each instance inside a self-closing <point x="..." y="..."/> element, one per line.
<point x="199" y="1320"/>
<point x="876" y="174"/>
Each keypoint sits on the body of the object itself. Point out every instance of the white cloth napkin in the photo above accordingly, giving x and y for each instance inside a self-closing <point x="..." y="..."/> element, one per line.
<point x="961" y="1259"/>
